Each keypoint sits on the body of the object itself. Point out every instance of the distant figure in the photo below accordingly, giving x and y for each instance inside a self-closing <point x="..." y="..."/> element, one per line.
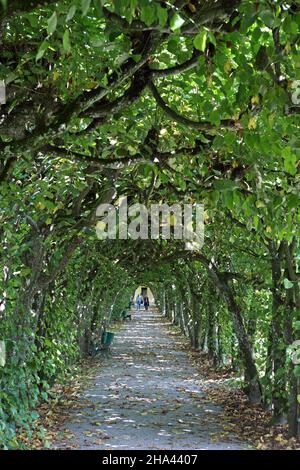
<point x="139" y="301"/>
<point x="146" y="302"/>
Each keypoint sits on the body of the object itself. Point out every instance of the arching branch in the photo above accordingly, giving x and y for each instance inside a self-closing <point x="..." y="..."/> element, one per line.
<point x="200" y="125"/>
<point x="179" y="68"/>
<point x="116" y="163"/>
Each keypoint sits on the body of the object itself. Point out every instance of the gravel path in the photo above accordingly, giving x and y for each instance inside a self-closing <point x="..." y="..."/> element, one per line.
<point x="145" y="396"/>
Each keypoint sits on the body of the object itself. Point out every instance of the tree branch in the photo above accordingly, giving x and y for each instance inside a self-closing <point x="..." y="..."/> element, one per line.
<point x="209" y="13"/>
<point x="101" y="162"/>
<point x="188" y="65"/>
<point x="202" y="125"/>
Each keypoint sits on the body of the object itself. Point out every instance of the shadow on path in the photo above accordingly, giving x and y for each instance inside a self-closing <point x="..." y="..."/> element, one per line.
<point x="145" y="397"/>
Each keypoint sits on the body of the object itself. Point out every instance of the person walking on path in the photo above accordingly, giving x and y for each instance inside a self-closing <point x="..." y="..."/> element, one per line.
<point x="146" y="302"/>
<point x="139" y="301"/>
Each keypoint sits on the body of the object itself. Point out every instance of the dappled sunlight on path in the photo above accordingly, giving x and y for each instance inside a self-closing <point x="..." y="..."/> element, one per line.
<point x="146" y="396"/>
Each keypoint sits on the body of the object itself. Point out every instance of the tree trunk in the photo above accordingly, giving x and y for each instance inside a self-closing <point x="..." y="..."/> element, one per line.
<point x="211" y="325"/>
<point x="220" y="345"/>
<point x="268" y="369"/>
<point x="279" y="346"/>
<point x="254" y="391"/>
<point x="293" y="313"/>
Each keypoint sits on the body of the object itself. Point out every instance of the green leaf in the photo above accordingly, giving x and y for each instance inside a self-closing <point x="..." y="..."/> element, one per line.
<point x="211" y="38"/>
<point x="148" y="15"/>
<point x="66" y="41"/>
<point x="298" y="398"/>
<point x="287" y="283"/>
<point x="225" y="185"/>
<point x="297" y="371"/>
<point x="98" y="9"/>
<point x="228" y="199"/>
<point x="297" y="325"/>
<point x="176" y="22"/>
<point x="4" y="4"/>
<point x="162" y="15"/>
<point x="230" y="139"/>
<point x="10" y="77"/>
<point x="214" y="117"/>
<point x="49" y="204"/>
<point x="42" y="49"/>
<point x="173" y="45"/>
<point x="255" y="221"/>
<point x="293" y="27"/>
<point x="146" y="169"/>
<point x="52" y="23"/>
<point x="290" y="160"/>
<point x="136" y="57"/>
<point x="33" y="20"/>
<point x="200" y="41"/>
<point x="71" y="12"/>
<point x="181" y="184"/>
<point x="85" y="5"/>
<point x="267" y="17"/>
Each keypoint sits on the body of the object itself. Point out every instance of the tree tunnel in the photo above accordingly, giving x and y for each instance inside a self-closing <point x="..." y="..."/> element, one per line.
<point x="172" y="102"/>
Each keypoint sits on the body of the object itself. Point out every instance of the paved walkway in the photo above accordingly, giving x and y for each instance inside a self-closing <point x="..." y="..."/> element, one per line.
<point x="146" y="397"/>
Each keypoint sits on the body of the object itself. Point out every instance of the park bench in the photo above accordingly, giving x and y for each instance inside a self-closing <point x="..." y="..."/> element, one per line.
<point x="102" y="345"/>
<point x="104" y="342"/>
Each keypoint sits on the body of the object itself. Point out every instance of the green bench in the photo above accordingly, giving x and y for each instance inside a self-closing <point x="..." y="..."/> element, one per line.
<point x="102" y="345"/>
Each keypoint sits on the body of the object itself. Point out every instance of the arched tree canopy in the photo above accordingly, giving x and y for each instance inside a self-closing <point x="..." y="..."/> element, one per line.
<point x="180" y="101"/>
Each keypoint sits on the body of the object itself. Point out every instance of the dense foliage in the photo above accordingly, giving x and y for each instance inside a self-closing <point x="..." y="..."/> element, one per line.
<point x="180" y="101"/>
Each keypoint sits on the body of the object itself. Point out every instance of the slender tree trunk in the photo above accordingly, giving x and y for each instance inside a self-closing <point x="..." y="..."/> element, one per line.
<point x="279" y="346"/>
<point x="197" y="321"/>
<point x="219" y="343"/>
<point x="269" y="369"/>
<point x="293" y="313"/>
<point x="211" y="321"/>
<point x="255" y="393"/>
<point x="234" y="364"/>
